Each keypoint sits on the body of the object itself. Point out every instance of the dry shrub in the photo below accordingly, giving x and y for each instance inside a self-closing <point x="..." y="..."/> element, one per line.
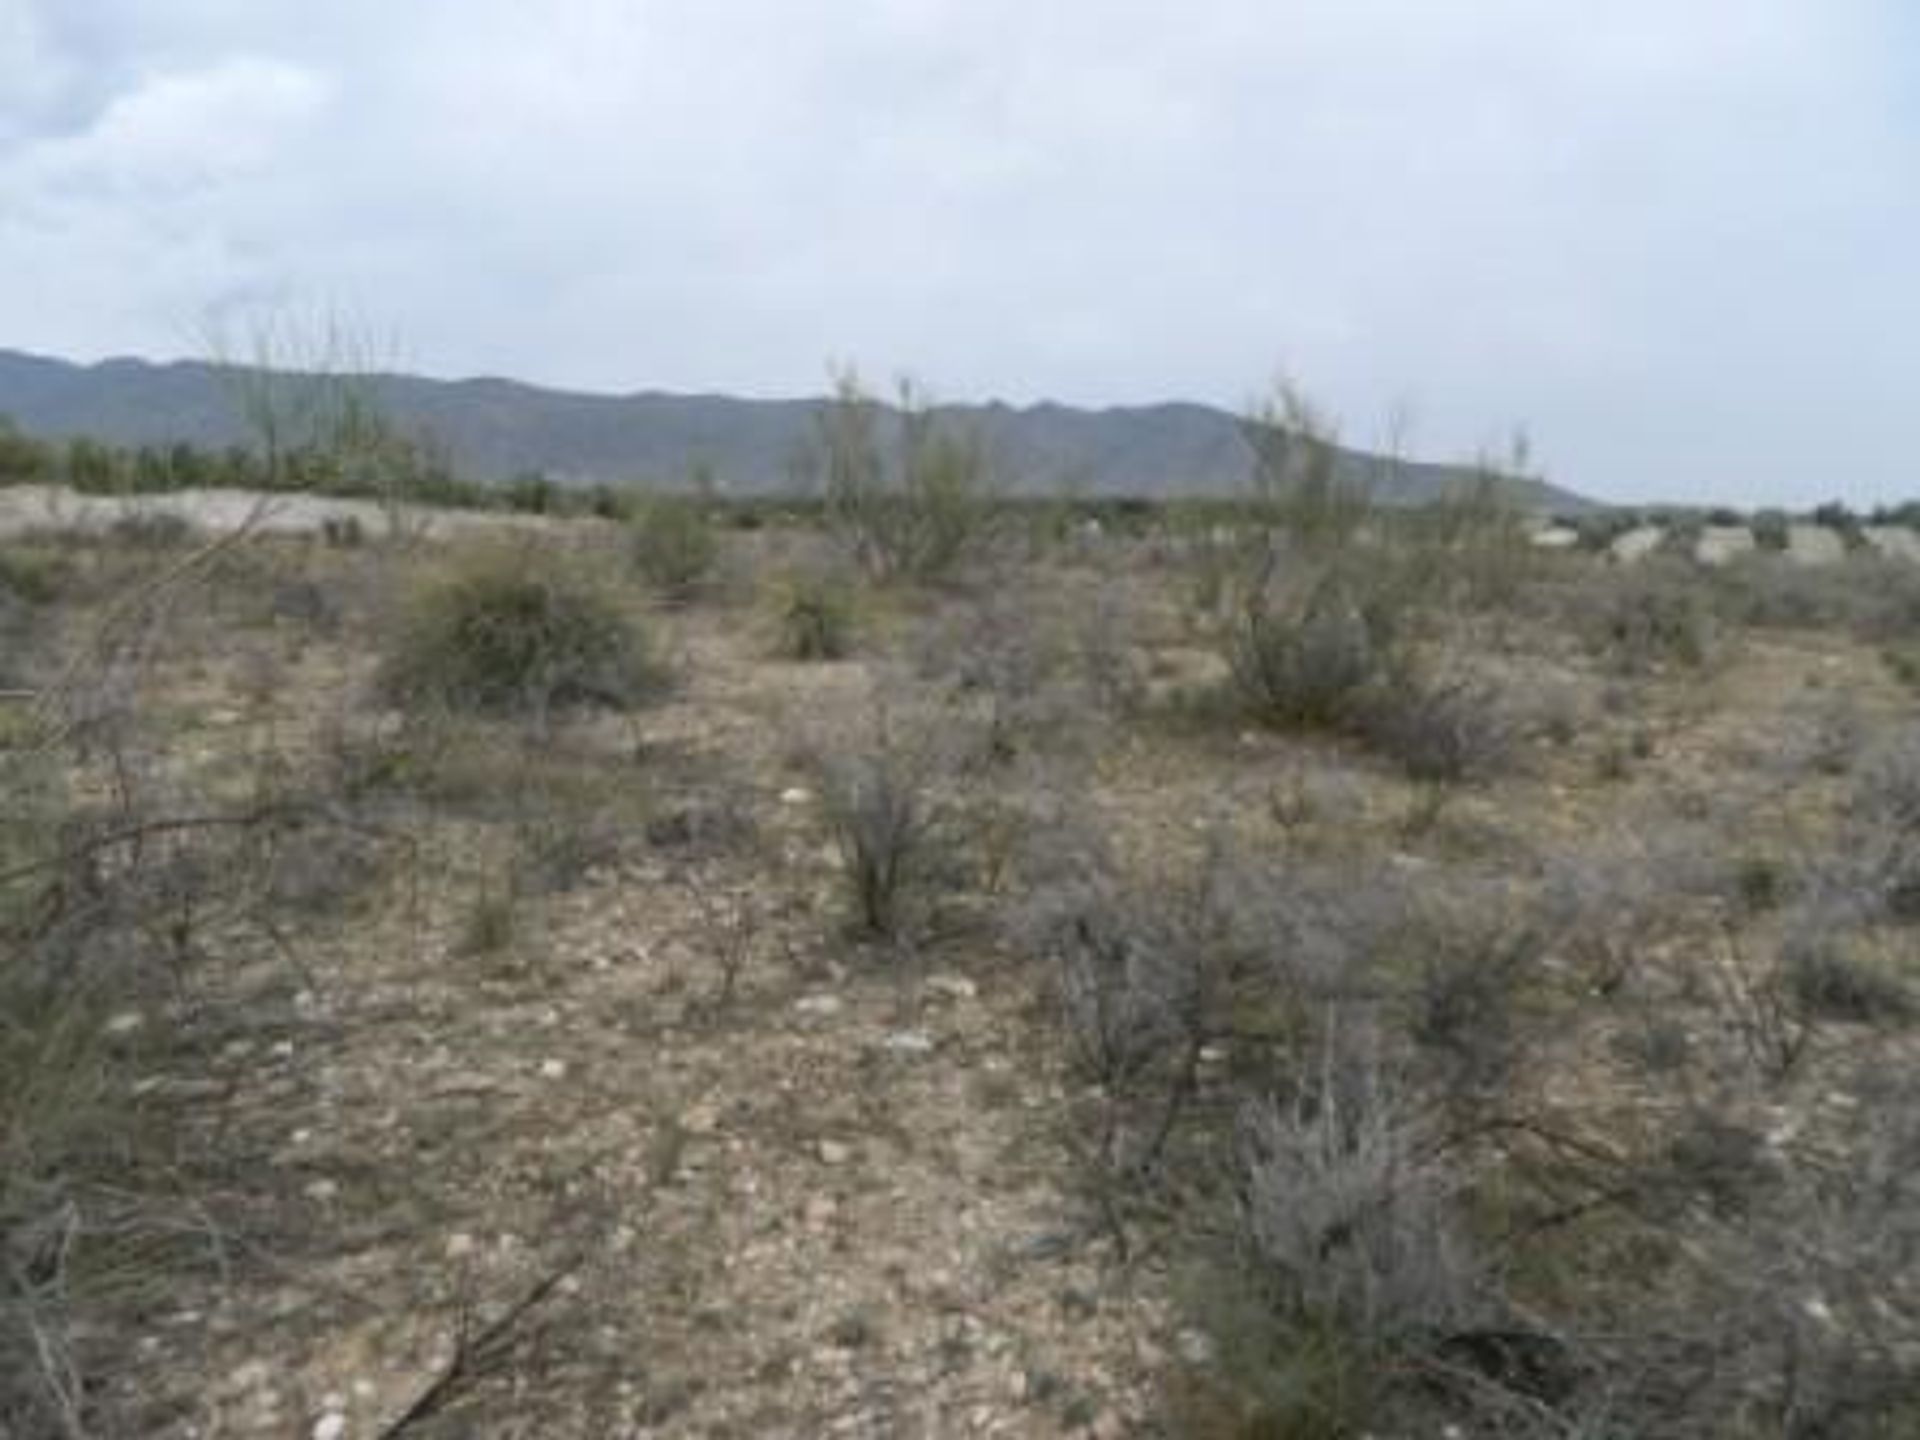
<point x="1313" y="652"/>
<point x="1656" y="612"/>
<point x="891" y="823"/>
<point x="1444" y="729"/>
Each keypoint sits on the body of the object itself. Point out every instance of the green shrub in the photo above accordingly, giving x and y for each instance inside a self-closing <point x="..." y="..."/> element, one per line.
<point x="532" y="493"/>
<point x="674" y="546"/>
<point x="907" y="489"/>
<point x="508" y="632"/>
<point x="817" y="616"/>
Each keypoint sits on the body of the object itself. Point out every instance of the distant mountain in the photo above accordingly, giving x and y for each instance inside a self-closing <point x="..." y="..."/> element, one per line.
<point x="498" y="428"/>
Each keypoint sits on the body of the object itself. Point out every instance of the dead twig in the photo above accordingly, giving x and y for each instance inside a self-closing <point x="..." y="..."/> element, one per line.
<point x="475" y="1352"/>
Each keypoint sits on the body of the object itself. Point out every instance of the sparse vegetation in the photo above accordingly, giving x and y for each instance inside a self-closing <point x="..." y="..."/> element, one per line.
<point x="1490" y="1013"/>
<point x="674" y="546"/>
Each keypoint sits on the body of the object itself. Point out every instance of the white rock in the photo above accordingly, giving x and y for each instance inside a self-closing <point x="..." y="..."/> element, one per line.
<point x="322" y="1190"/>
<point x="795" y="796"/>
<point x="126" y="1022"/>
<point x="1896" y="542"/>
<point x="553" y="1069"/>
<point x="459" y="1245"/>
<point x="819" y="1005"/>
<point x="1637" y="543"/>
<point x="330" y="1426"/>
<point x="909" y="1042"/>
<point x="954" y="987"/>
<point x="1815" y="545"/>
<point x="833" y="1152"/>
<point x="1721" y="544"/>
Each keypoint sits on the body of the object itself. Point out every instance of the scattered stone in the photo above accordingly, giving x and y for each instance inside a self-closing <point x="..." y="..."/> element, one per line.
<point x="953" y="987"/>
<point x="553" y="1069"/>
<point x="1555" y="537"/>
<point x="126" y="1022"/>
<point x="820" y="1211"/>
<point x="322" y="1190"/>
<point x="459" y="1245"/>
<point x="819" y="1005"/>
<point x="835" y="1152"/>
<point x="795" y="796"/>
<point x="908" y="1042"/>
<point x="330" y="1426"/>
<point x="700" y="1120"/>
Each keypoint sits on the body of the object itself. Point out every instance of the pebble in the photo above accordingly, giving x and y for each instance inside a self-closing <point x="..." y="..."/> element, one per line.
<point x="126" y="1022"/>
<point x="819" y="1005"/>
<point x="1195" y="1346"/>
<point x="322" y="1190"/>
<point x="459" y="1244"/>
<point x="954" y="987"/>
<point x="330" y="1426"/>
<point x="553" y="1069"/>
<point x="909" y="1042"/>
<point x="833" y="1152"/>
<point x="795" y="795"/>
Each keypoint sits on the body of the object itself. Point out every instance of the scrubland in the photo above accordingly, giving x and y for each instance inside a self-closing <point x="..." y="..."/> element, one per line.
<point x="947" y="970"/>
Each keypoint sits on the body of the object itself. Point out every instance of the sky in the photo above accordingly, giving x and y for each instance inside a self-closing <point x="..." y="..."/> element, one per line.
<point x="1675" y="240"/>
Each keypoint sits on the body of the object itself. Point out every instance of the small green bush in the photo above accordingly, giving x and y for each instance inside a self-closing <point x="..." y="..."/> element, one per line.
<point x="907" y="488"/>
<point x="674" y="546"/>
<point x="817" y="617"/>
<point x="507" y="633"/>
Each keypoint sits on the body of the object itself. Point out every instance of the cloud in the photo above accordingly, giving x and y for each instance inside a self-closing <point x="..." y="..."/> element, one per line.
<point x="1667" y="236"/>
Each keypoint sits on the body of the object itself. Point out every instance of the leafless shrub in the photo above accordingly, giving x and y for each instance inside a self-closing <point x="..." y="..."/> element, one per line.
<point x="1348" y="1208"/>
<point x="1646" y="615"/>
<point x="1445" y="730"/>
<point x="1468" y="965"/>
<point x="887" y="819"/>
<point x="1313" y="652"/>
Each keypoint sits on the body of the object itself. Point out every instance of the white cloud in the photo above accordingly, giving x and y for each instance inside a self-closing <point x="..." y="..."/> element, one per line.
<point x="1666" y="235"/>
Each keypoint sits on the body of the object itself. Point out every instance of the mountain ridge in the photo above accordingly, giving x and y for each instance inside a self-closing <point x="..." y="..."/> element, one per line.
<point x="495" y="426"/>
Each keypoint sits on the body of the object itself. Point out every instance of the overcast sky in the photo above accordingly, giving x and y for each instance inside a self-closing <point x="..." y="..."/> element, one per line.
<point x="1678" y="239"/>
